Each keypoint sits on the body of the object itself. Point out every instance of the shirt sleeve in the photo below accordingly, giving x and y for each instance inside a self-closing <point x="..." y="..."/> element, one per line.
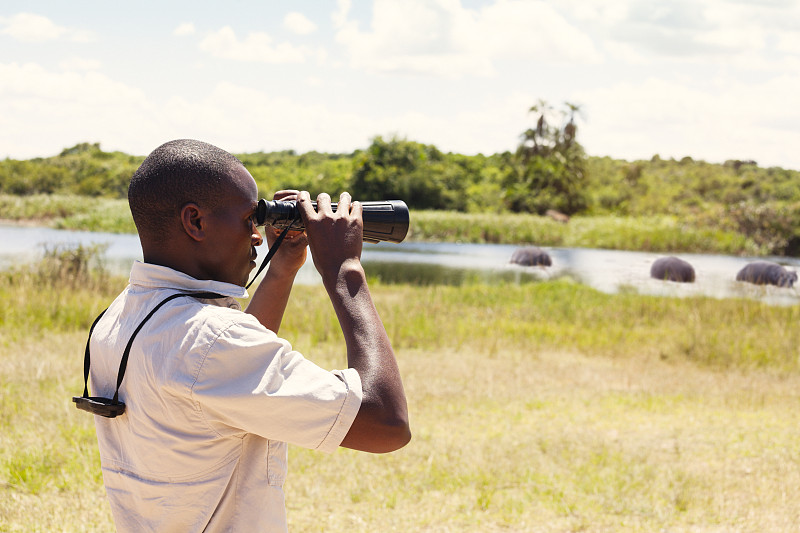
<point x="251" y="381"/>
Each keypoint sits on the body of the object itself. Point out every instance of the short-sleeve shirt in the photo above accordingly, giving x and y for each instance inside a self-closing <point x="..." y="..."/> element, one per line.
<point x="212" y="399"/>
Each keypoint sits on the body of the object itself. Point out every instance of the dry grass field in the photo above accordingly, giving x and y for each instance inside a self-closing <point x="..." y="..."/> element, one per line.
<point x="559" y="442"/>
<point x="546" y="407"/>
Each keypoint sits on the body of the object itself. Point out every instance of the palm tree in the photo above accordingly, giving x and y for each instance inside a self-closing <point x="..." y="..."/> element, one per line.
<point x="550" y="164"/>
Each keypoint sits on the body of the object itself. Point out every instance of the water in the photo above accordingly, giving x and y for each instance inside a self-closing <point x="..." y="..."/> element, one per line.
<point x="22" y="244"/>
<point x="609" y="271"/>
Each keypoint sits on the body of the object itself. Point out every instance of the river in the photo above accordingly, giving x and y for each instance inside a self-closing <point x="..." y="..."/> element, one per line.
<point x="448" y="263"/>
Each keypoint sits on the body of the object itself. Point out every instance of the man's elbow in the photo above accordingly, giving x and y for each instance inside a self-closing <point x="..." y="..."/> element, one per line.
<point x="384" y="436"/>
<point x="396" y="434"/>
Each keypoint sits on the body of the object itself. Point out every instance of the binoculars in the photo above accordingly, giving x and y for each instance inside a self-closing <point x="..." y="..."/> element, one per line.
<point x="385" y="220"/>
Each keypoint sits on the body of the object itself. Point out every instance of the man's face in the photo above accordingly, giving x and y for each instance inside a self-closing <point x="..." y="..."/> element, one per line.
<point x="232" y="234"/>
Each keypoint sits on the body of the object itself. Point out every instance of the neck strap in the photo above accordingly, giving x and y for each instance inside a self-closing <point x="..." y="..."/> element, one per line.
<point x="272" y="250"/>
<point x="112" y="407"/>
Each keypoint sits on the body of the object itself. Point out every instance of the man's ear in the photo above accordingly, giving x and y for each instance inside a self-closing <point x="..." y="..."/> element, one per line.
<point x="193" y="220"/>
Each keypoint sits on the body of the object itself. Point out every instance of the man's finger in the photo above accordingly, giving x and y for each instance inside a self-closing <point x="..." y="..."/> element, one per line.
<point x="286" y="194"/>
<point x="324" y="203"/>
<point x="304" y="205"/>
<point x="356" y="209"/>
<point x="344" y="203"/>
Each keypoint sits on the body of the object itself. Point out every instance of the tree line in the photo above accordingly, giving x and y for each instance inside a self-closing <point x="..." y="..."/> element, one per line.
<point x="549" y="170"/>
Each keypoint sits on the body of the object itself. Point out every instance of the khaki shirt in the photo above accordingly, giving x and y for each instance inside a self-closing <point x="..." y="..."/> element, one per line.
<point x="212" y="399"/>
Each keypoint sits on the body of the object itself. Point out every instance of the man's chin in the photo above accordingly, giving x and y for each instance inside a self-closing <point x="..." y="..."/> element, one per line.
<point x="249" y="272"/>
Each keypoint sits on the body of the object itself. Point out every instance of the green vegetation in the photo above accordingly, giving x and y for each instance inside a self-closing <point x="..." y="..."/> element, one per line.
<point x="654" y="234"/>
<point x="761" y="204"/>
<point x="69" y="212"/>
<point x="83" y="169"/>
<point x="657" y="205"/>
<point x="661" y="233"/>
<point x="550" y="165"/>
<point x="538" y="407"/>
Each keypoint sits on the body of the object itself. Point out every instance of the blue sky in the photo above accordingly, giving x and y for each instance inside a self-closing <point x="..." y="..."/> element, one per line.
<point x="710" y="79"/>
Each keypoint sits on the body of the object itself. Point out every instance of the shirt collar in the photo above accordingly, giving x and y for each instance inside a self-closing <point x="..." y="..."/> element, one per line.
<point x="160" y="277"/>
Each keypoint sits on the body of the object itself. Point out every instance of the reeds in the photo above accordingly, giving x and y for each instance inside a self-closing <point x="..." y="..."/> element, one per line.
<point x="660" y="233"/>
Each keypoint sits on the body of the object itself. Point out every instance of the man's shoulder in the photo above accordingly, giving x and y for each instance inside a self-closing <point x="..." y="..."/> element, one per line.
<point x="173" y="308"/>
<point x="223" y="313"/>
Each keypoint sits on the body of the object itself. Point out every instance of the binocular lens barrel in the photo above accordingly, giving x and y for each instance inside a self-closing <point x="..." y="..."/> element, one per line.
<point x="385" y="220"/>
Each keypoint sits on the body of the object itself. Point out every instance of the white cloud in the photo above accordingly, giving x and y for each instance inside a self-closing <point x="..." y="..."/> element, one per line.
<point x="532" y="30"/>
<point x="443" y="39"/>
<point x="632" y="120"/>
<point x="720" y="121"/>
<point x="243" y="119"/>
<point x="597" y="12"/>
<point x="80" y="63"/>
<point x="33" y="81"/>
<point x="42" y="111"/>
<point x="91" y="107"/>
<point x="339" y="16"/>
<point x="275" y="123"/>
<point x="789" y="42"/>
<point x="731" y="95"/>
<point x="256" y="47"/>
<point x="32" y="28"/>
<point x="183" y="29"/>
<point x="492" y="127"/>
<point x="695" y="31"/>
<point x="298" y="23"/>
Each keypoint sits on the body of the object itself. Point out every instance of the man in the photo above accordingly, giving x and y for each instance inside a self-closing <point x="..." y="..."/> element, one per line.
<point x="212" y="394"/>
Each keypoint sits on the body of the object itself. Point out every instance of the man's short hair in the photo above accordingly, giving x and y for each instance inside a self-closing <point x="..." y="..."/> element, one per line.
<point x="174" y="174"/>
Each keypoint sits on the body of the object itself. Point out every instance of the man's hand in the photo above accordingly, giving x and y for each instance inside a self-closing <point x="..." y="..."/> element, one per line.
<point x="268" y="304"/>
<point x="335" y="239"/>
<point x="291" y="254"/>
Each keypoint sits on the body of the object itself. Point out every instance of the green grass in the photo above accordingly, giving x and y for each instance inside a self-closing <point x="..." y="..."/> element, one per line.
<point x="69" y="212"/>
<point x="655" y="234"/>
<point x="647" y="234"/>
<point x="561" y="315"/>
<point x="542" y="407"/>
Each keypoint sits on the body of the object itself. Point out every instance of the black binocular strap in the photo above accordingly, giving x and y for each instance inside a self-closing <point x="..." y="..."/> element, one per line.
<point x="271" y="252"/>
<point x="86" y="355"/>
<point x="124" y="362"/>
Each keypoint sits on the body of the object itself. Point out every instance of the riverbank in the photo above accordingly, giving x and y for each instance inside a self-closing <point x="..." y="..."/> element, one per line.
<point x="662" y="234"/>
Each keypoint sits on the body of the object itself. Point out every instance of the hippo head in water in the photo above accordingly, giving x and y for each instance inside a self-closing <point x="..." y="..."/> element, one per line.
<point x="672" y="269"/>
<point x="766" y="273"/>
<point x="531" y="256"/>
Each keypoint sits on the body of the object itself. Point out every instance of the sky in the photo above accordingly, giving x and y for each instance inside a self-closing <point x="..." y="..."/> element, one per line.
<point x="709" y="79"/>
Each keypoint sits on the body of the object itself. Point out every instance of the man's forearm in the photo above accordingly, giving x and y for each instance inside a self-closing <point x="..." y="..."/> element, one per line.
<point x="382" y="424"/>
<point x="270" y="299"/>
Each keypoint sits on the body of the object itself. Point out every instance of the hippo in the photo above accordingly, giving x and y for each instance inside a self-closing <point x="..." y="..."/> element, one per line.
<point x="672" y="269"/>
<point x="766" y="273"/>
<point x="531" y="256"/>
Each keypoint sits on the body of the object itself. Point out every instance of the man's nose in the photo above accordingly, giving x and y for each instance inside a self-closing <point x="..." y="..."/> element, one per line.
<point x="256" y="236"/>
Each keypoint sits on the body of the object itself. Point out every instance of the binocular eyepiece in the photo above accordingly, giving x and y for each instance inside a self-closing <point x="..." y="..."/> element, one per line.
<point x="385" y="220"/>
